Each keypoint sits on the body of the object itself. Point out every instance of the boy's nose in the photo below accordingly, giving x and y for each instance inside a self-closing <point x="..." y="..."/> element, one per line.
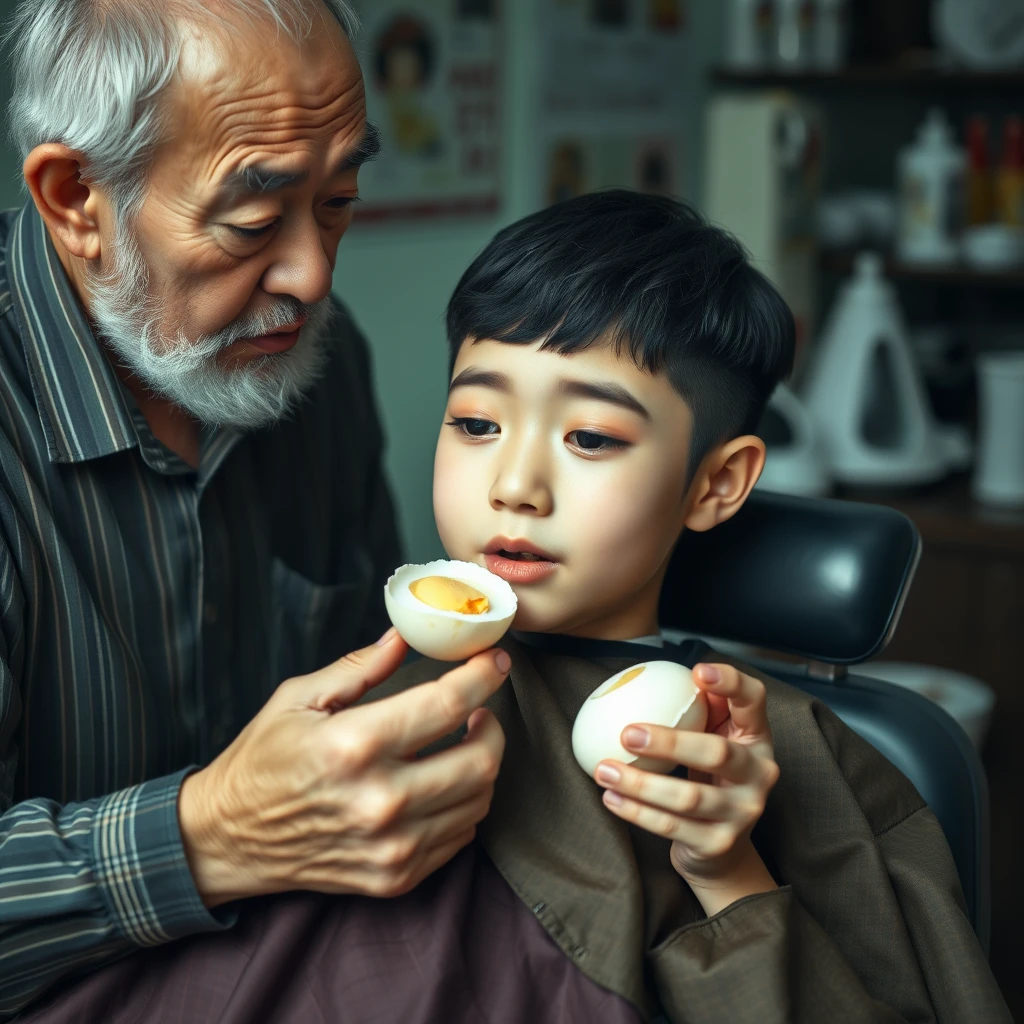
<point x="521" y="490"/>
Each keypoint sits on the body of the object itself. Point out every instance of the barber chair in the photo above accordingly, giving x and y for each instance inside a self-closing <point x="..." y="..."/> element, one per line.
<point x="825" y="581"/>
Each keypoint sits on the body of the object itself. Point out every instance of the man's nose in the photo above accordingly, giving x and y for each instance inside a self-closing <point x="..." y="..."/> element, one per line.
<point x="522" y="483"/>
<point x="301" y="267"/>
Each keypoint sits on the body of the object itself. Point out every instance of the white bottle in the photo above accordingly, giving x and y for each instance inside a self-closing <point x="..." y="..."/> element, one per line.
<point x="794" y="33"/>
<point x="830" y="34"/>
<point x="751" y="32"/>
<point x="931" y="176"/>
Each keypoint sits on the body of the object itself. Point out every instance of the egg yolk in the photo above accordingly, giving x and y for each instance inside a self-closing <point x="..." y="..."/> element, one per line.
<point x="627" y="677"/>
<point x="449" y="595"/>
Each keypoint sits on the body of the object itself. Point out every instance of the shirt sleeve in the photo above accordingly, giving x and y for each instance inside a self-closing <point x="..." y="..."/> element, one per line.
<point x="83" y="883"/>
<point x="767" y="960"/>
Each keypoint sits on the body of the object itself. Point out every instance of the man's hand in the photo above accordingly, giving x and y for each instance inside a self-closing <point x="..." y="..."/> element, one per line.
<point x="318" y="794"/>
<point x="708" y="816"/>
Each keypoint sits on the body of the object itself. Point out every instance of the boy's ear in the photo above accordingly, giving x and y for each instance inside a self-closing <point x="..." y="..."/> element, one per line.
<point x="723" y="482"/>
<point x="70" y="208"/>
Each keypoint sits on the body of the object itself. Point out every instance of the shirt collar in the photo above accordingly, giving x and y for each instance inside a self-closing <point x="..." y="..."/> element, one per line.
<point x="81" y="406"/>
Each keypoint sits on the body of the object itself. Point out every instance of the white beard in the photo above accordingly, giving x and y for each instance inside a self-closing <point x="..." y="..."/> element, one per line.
<point x="245" y="396"/>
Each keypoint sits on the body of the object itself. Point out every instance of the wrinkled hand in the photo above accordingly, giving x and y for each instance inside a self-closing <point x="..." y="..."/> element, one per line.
<point x="708" y="816"/>
<point x="317" y="794"/>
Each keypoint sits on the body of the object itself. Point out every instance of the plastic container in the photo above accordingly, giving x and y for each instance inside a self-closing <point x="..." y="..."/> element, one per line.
<point x="931" y="175"/>
<point x="751" y="34"/>
<point x="980" y="185"/>
<point x="999" y="472"/>
<point x="831" y="33"/>
<point x="795" y="33"/>
<point x="1010" y="179"/>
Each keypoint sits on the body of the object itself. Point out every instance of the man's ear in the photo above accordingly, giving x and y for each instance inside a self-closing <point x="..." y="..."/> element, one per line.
<point x="723" y="482"/>
<point x="68" y="206"/>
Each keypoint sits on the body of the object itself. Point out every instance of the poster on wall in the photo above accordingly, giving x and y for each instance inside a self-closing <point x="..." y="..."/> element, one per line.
<point x="432" y="88"/>
<point x="611" y="96"/>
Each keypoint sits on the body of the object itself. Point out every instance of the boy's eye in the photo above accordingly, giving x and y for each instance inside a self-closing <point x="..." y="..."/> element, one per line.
<point x="340" y="202"/>
<point x="472" y="427"/>
<point x="590" y="441"/>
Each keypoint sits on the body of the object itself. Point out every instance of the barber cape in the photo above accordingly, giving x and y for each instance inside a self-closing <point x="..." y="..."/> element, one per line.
<point x="869" y="921"/>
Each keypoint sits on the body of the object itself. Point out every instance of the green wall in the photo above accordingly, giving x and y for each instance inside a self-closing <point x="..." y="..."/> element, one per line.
<point x="396" y="280"/>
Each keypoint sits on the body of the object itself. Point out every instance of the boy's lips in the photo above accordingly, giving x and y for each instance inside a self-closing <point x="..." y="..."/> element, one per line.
<point x="518" y="561"/>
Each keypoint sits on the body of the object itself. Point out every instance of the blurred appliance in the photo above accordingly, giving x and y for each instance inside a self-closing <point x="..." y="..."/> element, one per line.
<point x="999" y="475"/>
<point x="761" y="181"/>
<point x="984" y="34"/>
<point x="794" y="463"/>
<point x="866" y="395"/>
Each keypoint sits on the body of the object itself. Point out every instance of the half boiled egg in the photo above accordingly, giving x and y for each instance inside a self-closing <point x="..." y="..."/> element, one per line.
<point x="449" y="610"/>
<point x="658" y="692"/>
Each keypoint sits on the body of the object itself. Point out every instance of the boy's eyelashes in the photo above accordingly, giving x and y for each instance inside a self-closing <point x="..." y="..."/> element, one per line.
<point x="591" y="442"/>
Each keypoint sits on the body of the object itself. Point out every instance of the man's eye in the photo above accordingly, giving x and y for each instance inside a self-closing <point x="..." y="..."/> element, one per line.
<point x="472" y="427"/>
<point x="250" y="233"/>
<point x="340" y="202"/>
<point x="590" y="441"/>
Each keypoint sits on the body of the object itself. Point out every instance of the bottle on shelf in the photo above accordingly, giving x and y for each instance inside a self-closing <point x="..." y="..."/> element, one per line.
<point x="830" y="34"/>
<point x="751" y="34"/>
<point x="794" y="33"/>
<point x="931" y="175"/>
<point x="1010" y="179"/>
<point x="980" y="185"/>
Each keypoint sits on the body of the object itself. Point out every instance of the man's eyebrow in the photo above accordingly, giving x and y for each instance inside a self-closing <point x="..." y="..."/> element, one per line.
<point x="471" y="377"/>
<point x="603" y="391"/>
<point x="258" y="179"/>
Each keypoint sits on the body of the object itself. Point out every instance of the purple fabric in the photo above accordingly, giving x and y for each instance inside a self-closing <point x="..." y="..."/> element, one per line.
<point x="460" y="948"/>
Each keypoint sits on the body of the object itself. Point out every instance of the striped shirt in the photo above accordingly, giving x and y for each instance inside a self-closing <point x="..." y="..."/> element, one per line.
<point x="147" y="611"/>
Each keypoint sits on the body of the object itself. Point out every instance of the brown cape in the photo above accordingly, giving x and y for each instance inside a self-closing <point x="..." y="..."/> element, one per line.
<point x="868" y="925"/>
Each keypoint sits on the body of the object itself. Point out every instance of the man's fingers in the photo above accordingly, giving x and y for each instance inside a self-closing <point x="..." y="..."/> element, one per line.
<point x="346" y="680"/>
<point x="406" y="722"/>
<point x="747" y="697"/>
<point x="460" y="773"/>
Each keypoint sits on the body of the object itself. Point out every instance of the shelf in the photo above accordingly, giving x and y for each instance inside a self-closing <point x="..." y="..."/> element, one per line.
<point x="879" y="76"/>
<point x="840" y="261"/>
<point x="948" y="516"/>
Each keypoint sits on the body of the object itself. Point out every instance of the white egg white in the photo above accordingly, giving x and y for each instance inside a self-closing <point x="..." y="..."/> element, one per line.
<point x="449" y="635"/>
<point x="664" y="693"/>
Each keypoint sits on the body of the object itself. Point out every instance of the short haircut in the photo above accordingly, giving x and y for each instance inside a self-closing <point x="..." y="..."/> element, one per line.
<point x="652" y="276"/>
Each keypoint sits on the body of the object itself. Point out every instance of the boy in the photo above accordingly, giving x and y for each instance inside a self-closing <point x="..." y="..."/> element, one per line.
<point x="610" y="357"/>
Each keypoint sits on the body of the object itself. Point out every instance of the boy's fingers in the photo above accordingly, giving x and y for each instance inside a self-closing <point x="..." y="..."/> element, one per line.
<point x="701" y="751"/>
<point x="748" y="699"/>
<point x="678" y="796"/>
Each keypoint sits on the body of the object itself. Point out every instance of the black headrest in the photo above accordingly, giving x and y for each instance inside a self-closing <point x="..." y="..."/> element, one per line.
<point x="818" y="578"/>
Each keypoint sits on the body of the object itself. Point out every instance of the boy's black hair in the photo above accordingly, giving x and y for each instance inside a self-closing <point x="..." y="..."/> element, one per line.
<point x="652" y="275"/>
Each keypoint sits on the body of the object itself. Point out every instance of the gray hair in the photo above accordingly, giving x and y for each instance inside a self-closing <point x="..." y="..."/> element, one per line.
<point x="90" y="74"/>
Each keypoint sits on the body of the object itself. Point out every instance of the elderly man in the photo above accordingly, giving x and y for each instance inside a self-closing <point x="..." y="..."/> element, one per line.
<point x="192" y="509"/>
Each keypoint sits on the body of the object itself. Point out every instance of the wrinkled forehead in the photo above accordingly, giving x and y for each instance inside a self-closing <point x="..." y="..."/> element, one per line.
<point x="249" y="88"/>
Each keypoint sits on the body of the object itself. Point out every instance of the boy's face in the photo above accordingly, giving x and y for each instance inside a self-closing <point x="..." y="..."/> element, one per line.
<point x="580" y="459"/>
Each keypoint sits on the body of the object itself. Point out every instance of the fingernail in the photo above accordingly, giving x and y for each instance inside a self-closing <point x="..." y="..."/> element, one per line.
<point x="636" y="738"/>
<point x="613" y="798"/>
<point x="387" y="637"/>
<point x="606" y="773"/>
<point x="503" y="661"/>
<point x="710" y="674"/>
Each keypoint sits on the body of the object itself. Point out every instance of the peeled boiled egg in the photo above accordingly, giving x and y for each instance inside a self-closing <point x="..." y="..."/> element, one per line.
<point x="658" y="692"/>
<point x="449" y="610"/>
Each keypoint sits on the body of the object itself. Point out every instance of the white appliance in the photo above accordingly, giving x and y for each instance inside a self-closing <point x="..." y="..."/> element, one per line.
<point x="866" y="396"/>
<point x="999" y="474"/>
<point x="794" y="462"/>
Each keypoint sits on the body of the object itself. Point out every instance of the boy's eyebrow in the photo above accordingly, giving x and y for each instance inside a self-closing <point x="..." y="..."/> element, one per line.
<point x="603" y="391"/>
<point x="471" y="377"/>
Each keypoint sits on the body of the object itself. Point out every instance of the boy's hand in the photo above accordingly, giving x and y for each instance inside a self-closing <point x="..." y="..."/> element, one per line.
<point x="708" y="816"/>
